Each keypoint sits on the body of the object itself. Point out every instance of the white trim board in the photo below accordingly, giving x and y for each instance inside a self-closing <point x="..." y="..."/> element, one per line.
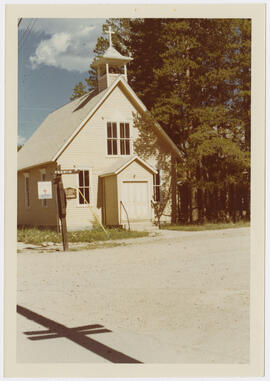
<point x="123" y="166"/>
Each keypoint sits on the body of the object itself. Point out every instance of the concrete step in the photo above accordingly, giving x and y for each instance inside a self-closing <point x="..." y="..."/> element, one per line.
<point x="141" y="226"/>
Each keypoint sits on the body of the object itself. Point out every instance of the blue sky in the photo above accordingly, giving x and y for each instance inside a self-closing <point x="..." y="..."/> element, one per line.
<point x="53" y="55"/>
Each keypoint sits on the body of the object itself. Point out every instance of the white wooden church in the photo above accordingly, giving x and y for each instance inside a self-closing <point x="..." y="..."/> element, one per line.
<point x="95" y="135"/>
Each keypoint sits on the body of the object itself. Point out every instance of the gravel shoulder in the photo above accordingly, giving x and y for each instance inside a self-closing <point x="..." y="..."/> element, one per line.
<point x="176" y="297"/>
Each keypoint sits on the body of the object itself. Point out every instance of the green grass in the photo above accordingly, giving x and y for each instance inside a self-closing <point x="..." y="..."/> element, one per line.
<point x="38" y="236"/>
<point x="206" y="226"/>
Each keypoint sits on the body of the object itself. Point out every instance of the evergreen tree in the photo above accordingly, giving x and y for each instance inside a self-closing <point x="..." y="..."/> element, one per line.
<point x="201" y="98"/>
<point x="146" y="46"/>
<point x="78" y="91"/>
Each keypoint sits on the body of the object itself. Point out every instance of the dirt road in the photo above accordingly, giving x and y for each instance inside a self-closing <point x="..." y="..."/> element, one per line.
<point x="178" y="298"/>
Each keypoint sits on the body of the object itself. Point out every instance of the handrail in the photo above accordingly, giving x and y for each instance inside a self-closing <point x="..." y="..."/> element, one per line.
<point x="121" y="203"/>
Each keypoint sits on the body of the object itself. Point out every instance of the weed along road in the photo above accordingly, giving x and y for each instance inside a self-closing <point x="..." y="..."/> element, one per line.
<point x="180" y="297"/>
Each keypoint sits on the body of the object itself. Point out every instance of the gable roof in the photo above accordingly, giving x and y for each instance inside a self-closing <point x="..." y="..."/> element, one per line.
<point x="62" y="125"/>
<point x="121" y="164"/>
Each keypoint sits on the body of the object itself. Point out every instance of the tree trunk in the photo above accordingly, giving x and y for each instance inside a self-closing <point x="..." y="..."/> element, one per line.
<point x="184" y="203"/>
<point x="200" y="198"/>
<point x="194" y="205"/>
<point x="174" y="190"/>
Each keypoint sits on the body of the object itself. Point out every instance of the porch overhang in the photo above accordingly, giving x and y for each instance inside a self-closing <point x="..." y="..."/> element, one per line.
<point x="122" y="164"/>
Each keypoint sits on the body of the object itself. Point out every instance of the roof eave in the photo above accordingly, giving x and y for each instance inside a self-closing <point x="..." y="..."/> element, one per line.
<point x="117" y="171"/>
<point x="157" y="125"/>
<point x="35" y="165"/>
<point x="108" y="174"/>
<point x="112" y="60"/>
<point x="110" y="89"/>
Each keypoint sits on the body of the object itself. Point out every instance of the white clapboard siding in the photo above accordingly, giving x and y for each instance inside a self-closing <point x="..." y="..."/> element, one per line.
<point x="89" y="150"/>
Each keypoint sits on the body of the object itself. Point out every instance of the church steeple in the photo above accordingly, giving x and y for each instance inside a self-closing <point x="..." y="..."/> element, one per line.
<point x="111" y="65"/>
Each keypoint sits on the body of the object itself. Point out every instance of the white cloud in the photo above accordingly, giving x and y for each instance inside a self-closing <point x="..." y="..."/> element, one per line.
<point x="21" y="140"/>
<point x="69" y="45"/>
<point x="55" y="25"/>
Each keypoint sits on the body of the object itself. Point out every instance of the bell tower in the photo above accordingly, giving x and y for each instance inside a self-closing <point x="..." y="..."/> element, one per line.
<point x="111" y="65"/>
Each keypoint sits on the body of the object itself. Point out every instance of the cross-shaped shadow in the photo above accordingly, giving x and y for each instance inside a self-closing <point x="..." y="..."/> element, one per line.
<point x="76" y="335"/>
<point x="51" y="334"/>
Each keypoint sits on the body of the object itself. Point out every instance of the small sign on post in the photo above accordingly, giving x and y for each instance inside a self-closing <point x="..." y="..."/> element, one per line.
<point x="71" y="193"/>
<point x="44" y="190"/>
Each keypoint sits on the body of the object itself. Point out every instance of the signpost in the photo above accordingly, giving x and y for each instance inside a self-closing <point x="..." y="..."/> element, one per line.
<point x="62" y="203"/>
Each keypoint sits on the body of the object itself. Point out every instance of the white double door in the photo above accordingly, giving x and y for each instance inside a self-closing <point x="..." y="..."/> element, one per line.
<point x="136" y="201"/>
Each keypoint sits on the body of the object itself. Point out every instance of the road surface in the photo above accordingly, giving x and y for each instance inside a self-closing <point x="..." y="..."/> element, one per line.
<point x="181" y="297"/>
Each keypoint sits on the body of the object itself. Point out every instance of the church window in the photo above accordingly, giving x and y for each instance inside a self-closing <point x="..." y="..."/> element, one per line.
<point x="157" y="186"/>
<point x="27" y="190"/>
<point x="112" y="138"/>
<point x="84" y="187"/>
<point x="118" y="138"/>
<point x="43" y="178"/>
<point x="124" y="139"/>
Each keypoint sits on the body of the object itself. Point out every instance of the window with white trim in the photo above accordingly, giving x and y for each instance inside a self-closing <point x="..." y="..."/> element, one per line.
<point x="157" y="186"/>
<point x="27" y="190"/>
<point x="118" y="138"/>
<point x="112" y="138"/>
<point x="44" y="202"/>
<point x="84" y="187"/>
<point x="124" y="139"/>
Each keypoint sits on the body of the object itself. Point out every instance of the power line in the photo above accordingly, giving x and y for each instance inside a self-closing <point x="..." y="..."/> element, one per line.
<point x="24" y="32"/>
<point x="27" y="32"/>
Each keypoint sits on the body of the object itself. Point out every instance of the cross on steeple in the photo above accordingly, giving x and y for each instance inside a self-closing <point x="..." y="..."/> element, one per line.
<point x="110" y="32"/>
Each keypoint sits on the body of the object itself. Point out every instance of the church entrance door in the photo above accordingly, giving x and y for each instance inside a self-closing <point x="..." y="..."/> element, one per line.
<point x="135" y="199"/>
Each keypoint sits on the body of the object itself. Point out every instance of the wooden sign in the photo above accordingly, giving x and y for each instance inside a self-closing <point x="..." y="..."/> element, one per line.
<point x="44" y="190"/>
<point x="71" y="193"/>
<point x="66" y="171"/>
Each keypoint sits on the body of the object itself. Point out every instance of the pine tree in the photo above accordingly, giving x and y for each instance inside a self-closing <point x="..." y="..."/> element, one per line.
<point x="201" y="98"/>
<point x="78" y="91"/>
<point x="145" y="46"/>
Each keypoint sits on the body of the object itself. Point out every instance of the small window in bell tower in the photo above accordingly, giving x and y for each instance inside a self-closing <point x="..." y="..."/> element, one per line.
<point x="116" y="70"/>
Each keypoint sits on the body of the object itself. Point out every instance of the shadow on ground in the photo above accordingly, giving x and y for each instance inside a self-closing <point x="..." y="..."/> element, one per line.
<point x="76" y="334"/>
